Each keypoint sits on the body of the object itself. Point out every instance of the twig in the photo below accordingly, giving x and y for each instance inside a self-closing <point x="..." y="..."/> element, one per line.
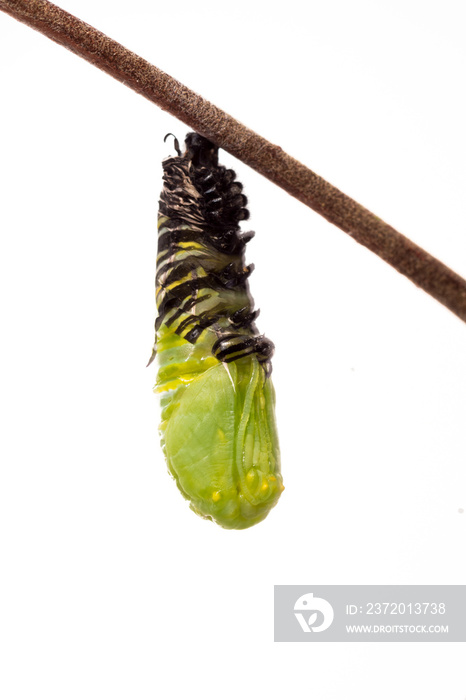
<point x="271" y="161"/>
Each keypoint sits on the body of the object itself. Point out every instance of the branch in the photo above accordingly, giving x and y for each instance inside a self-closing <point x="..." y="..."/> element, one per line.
<point x="268" y="159"/>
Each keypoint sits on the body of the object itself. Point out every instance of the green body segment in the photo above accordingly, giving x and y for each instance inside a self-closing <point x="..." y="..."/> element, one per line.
<point x="218" y="427"/>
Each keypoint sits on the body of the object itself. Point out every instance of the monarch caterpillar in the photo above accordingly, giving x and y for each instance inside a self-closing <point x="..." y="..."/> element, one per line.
<point x="218" y="428"/>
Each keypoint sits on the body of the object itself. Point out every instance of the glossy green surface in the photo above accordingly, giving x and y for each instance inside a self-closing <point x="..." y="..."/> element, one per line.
<point x="218" y="432"/>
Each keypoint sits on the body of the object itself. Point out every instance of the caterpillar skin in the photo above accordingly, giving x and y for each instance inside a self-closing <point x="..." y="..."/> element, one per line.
<point x="218" y="427"/>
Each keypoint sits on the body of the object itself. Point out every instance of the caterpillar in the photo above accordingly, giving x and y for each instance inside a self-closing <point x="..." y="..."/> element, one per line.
<point x="218" y="430"/>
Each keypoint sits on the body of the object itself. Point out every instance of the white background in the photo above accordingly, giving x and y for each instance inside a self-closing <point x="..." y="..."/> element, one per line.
<point x="110" y="586"/>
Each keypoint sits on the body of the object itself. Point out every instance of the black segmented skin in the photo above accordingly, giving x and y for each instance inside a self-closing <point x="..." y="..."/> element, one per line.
<point x="201" y="276"/>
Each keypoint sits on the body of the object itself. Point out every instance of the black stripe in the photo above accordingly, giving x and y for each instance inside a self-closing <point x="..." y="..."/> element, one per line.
<point x="185" y="323"/>
<point x="186" y="306"/>
<point x="250" y="351"/>
<point x="204" y="321"/>
<point x="181" y="270"/>
<point x="193" y="334"/>
<point x="248" y="343"/>
<point x="174" y="296"/>
<point x="221" y="340"/>
<point x="181" y="310"/>
<point x="191" y="260"/>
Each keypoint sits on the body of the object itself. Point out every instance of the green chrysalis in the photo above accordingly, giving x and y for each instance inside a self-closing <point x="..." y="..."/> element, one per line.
<point x="218" y="427"/>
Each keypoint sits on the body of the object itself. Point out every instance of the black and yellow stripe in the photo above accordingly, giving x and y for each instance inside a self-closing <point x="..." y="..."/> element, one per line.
<point x="201" y="278"/>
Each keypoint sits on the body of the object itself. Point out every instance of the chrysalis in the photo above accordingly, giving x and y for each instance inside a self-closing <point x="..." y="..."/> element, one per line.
<point x="218" y="427"/>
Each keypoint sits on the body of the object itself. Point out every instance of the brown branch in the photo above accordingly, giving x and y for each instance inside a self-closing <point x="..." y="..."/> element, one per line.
<point x="271" y="161"/>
